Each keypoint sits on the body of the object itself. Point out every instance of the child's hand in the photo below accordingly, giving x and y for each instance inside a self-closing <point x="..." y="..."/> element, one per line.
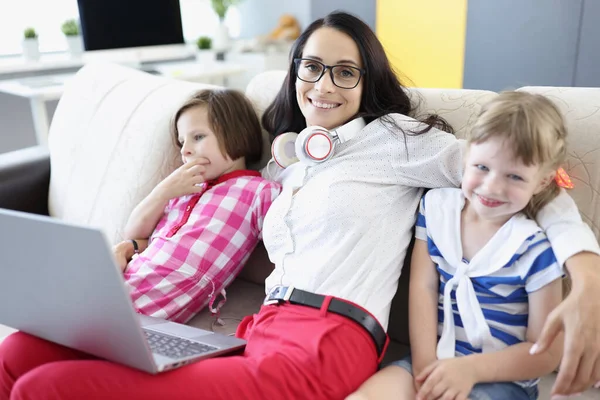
<point x="184" y="180"/>
<point x="451" y="378"/>
<point x="123" y="251"/>
<point x="418" y="366"/>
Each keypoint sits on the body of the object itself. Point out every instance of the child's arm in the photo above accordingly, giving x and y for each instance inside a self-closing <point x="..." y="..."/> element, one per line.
<point x="422" y="306"/>
<point x="124" y="251"/>
<point x="515" y="362"/>
<point x="181" y="182"/>
<point x="145" y="216"/>
<point x="510" y="364"/>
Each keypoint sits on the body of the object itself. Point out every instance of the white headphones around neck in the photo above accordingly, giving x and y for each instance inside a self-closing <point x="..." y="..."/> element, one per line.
<point x="313" y="145"/>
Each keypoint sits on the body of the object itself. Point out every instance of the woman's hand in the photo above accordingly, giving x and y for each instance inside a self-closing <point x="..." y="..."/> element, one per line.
<point x="123" y="252"/>
<point x="579" y="316"/>
<point x="185" y="180"/>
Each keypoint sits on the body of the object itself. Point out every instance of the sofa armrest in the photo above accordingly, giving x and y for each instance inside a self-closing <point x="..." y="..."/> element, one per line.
<point x="24" y="180"/>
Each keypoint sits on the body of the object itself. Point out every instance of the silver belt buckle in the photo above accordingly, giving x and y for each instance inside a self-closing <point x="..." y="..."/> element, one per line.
<point x="276" y="291"/>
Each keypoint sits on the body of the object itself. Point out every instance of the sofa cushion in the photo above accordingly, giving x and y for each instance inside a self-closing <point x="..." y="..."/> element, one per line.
<point x="243" y="298"/>
<point x="263" y="88"/>
<point x="581" y="109"/>
<point x="459" y="107"/>
<point x="110" y="144"/>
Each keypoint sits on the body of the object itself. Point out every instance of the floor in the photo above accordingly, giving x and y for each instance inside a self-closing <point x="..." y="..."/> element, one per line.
<point x="545" y="385"/>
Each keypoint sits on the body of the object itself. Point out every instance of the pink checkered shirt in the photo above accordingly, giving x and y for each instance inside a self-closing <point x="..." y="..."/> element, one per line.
<point x="199" y="246"/>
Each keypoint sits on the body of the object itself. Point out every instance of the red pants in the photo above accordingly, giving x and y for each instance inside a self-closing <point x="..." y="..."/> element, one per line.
<point x="293" y="352"/>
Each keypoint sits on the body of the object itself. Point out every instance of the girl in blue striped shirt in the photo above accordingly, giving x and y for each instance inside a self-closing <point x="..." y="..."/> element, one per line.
<point x="483" y="275"/>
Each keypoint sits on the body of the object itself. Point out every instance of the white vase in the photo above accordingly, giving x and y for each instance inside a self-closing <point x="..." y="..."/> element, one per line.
<point x="74" y="45"/>
<point x="221" y="41"/>
<point x="31" y="49"/>
<point x="206" y="56"/>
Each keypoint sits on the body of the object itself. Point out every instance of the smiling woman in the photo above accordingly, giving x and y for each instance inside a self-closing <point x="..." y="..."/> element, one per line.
<point x="320" y="96"/>
<point x="350" y="53"/>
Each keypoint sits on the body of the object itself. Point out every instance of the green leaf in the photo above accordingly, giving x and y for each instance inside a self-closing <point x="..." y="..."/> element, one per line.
<point x="204" y="43"/>
<point x="30" y="33"/>
<point x="70" y="28"/>
<point x="221" y="6"/>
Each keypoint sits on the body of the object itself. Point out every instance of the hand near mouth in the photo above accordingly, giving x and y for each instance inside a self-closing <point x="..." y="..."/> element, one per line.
<point x="185" y="180"/>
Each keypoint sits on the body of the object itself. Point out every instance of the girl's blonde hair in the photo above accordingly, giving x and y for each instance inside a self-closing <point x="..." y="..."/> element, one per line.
<point x="535" y="130"/>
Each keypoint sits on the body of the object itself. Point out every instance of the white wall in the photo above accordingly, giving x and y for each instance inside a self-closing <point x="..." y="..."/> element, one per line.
<point x="364" y="9"/>
<point x="259" y="17"/>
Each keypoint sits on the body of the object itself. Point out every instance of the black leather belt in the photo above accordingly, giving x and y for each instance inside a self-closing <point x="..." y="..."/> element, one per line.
<point x="279" y="294"/>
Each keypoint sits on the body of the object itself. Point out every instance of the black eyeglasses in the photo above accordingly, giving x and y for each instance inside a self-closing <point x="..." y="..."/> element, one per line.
<point x="342" y="76"/>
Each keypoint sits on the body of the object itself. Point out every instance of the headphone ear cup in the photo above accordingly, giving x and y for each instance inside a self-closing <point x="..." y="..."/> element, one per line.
<point x="314" y="145"/>
<point x="283" y="149"/>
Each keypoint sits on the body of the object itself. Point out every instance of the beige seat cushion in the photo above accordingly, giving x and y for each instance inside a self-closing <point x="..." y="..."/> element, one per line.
<point x="243" y="298"/>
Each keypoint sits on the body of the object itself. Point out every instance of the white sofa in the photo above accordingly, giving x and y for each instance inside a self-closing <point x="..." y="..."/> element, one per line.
<point x="109" y="146"/>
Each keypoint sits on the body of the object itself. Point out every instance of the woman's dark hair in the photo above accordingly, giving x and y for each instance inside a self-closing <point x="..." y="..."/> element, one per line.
<point x="232" y="119"/>
<point x="382" y="91"/>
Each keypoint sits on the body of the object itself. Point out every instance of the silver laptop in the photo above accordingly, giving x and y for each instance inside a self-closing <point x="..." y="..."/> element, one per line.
<point x="60" y="282"/>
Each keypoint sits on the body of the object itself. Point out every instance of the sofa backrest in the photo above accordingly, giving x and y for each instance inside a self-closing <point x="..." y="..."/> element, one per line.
<point x="460" y="107"/>
<point x="581" y="110"/>
<point x="110" y="145"/>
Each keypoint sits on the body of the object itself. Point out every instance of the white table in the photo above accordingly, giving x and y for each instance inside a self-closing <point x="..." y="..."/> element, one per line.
<point x="40" y="89"/>
<point x="216" y="72"/>
<point x="133" y="56"/>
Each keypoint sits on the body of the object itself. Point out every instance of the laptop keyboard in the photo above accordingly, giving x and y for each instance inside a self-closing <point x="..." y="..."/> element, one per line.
<point x="175" y="347"/>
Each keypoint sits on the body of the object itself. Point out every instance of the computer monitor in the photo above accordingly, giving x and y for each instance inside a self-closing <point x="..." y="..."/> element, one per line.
<point x="114" y="24"/>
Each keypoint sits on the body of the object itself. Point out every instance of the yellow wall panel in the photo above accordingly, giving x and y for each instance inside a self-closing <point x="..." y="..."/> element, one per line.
<point x="424" y="40"/>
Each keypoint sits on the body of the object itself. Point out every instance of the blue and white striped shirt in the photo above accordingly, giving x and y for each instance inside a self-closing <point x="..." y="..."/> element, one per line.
<point x="517" y="260"/>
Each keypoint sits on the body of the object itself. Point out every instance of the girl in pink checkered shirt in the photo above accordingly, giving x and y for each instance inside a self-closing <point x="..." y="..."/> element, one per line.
<point x="193" y="233"/>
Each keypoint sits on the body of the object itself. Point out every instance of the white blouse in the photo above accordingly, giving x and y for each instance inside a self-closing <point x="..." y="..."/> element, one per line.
<point x="342" y="227"/>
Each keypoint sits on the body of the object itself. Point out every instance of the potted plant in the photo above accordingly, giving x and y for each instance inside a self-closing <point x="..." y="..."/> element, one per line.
<point x="31" y="47"/>
<point x="70" y="28"/>
<point x="221" y="38"/>
<point x="205" y="54"/>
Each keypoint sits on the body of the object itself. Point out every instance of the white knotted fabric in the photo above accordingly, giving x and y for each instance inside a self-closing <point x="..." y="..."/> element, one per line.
<point x="443" y="227"/>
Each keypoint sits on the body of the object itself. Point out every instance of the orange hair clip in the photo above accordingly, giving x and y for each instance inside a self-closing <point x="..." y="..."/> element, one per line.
<point x="563" y="180"/>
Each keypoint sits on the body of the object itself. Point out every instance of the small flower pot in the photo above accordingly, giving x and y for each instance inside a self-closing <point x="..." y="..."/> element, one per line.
<point x="74" y="46"/>
<point x="31" y="49"/>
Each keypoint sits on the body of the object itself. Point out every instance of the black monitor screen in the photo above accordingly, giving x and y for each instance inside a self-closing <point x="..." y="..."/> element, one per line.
<point x="113" y="24"/>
